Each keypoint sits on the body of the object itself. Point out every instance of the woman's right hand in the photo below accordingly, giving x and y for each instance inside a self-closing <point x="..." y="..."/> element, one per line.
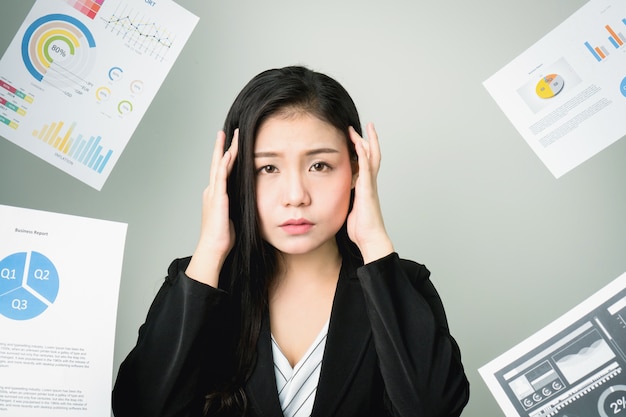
<point x="217" y="234"/>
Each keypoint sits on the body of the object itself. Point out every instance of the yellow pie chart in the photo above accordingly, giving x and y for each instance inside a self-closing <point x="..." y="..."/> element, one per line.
<point x="549" y="86"/>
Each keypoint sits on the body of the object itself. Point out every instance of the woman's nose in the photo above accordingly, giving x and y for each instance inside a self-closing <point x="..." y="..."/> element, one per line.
<point x="295" y="191"/>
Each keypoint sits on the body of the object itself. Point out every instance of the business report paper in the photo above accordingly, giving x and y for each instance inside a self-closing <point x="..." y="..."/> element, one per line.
<point x="566" y="94"/>
<point x="59" y="285"/>
<point x="79" y="76"/>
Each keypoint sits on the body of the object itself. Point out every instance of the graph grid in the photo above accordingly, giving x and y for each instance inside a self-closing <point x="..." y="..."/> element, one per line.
<point x="140" y="33"/>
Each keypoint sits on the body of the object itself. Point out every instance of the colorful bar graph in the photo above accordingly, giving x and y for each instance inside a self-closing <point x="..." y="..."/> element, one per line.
<point x="617" y="39"/>
<point x="89" y="8"/>
<point x="88" y="152"/>
<point x="595" y="52"/>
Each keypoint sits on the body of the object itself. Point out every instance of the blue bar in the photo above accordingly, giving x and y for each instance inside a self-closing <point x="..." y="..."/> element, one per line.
<point x="75" y="145"/>
<point x="80" y="148"/>
<point x="97" y="164"/>
<point x="593" y="51"/>
<point x="95" y="156"/>
<point x="614" y="42"/>
<point x="104" y="162"/>
<point x="94" y="145"/>
<point x="85" y="150"/>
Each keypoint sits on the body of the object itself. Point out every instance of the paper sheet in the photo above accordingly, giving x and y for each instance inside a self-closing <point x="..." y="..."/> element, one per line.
<point x="566" y="95"/>
<point x="572" y="367"/>
<point x="59" y="285"/>
<point x="80" y="74"/>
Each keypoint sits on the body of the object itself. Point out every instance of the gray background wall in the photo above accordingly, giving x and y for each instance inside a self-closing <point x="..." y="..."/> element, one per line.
<point x="510" y="247"/>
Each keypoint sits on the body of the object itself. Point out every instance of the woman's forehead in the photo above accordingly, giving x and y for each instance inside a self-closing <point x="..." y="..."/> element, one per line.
<point x="300" y="131"/>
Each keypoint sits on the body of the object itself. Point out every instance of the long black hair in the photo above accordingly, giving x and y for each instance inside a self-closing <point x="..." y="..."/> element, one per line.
<point x="252" y="262"/>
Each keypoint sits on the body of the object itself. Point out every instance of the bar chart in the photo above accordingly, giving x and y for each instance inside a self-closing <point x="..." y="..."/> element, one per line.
<point x="616" y="39"/>
<point x="85" y="150"/>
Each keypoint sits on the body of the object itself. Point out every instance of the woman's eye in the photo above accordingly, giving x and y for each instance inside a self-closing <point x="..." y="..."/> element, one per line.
<point x="267" y="169"/>
<point x="320" y="166"/>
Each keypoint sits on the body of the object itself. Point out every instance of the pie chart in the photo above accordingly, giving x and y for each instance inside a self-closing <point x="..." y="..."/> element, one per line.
<point x="29" y="284"/>
<point x="549" y="86"/>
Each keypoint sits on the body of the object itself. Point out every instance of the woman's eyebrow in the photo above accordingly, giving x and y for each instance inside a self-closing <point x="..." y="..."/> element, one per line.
<point x="321" y="150"/>
<point x="316" y="151"/>
<point x="265" y="154"/>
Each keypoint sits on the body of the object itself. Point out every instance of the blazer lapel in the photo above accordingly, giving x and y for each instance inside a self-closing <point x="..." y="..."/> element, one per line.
<point x="261" y="387"/>
<point x="348" y="334"/>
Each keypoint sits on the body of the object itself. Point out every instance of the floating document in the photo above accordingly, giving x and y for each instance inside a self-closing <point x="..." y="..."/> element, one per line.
<point x="566" y="95"/>
<point x="79" y="76"/>
<point x="59" y="285"/>
<point x="573" y="367"/>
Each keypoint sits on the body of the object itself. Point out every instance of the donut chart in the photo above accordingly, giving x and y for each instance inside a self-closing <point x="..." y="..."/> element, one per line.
<point x="612" y="401"/>
<point x="29" y="284"/>
<point x="549" y="86"/>
<point x="59" y="47"/>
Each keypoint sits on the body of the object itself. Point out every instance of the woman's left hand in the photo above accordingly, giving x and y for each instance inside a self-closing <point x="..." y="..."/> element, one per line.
<point x="366" y="227"/>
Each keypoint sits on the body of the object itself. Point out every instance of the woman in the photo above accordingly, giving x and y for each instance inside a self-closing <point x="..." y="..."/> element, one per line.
<point x="294" y="302"/>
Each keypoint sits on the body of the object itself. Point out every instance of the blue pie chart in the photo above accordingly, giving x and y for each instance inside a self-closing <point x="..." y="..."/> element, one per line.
<point x="29" y="284"/>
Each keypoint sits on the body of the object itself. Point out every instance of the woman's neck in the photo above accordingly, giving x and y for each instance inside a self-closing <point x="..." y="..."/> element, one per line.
<point x="301" y="298"/>
<point x="318" y="266"/>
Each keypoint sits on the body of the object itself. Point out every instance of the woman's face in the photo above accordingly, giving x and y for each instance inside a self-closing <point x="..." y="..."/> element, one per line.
<point x="303" y="181"/>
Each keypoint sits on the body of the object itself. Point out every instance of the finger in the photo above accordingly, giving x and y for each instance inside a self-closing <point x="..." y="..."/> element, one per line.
<point x="361" y="152"/>
<point x="233" y="150"/>
<point x="218" y="152"/>
<point x="226" y="164"/>
<point x="374" y="146"/>
<point x="364" y="143"/>
<point x="356" y="138"/>
<point x="221" y="174"/>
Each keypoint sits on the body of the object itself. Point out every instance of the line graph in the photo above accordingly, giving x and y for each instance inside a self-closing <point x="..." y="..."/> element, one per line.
<point x="140" y="33"/>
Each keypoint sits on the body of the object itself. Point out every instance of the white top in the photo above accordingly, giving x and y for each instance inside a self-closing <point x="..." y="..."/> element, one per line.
<point x="297" y="385"/>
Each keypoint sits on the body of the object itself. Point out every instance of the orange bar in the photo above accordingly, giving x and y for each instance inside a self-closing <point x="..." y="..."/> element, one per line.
<point x="617" y="39"/>
<point x="43" y="132"/>
<point x="65" y="139"/>
<point x="600" y="53"/>
<point x="49" y="132"/>
<point x="51" y="141"/>
<point x="68" y="146"/>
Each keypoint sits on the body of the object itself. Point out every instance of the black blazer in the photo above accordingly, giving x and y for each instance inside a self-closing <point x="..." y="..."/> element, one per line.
<point x="388" y="351"/>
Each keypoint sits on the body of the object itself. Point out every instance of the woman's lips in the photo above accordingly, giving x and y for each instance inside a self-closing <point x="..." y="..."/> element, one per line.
<point x="296" y="227"/>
